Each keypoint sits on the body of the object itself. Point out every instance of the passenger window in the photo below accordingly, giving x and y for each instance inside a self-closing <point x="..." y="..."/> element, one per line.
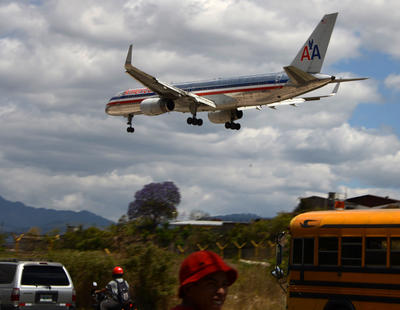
<point x="7" y="272"/>
<point x="395" y="252"/>
<point x="375" y="251"/>
<point x="328" y="251"/>
<point x="351" y="251"/>
<point x="303" y="251"/>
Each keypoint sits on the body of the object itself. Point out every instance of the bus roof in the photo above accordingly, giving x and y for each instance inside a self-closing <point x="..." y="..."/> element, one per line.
<point x="316" y="220"/>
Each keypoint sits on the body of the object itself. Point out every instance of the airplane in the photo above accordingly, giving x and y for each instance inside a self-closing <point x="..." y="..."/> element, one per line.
<point x="226" y="99"/>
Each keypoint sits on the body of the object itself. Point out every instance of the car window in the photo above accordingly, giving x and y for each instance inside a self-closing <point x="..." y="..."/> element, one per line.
<point x="7" y="272"/>
<point x="44" y="275"/>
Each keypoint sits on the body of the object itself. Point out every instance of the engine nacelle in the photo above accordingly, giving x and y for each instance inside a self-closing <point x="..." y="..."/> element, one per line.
<point x="156" y="106"/>
<point x="224" y="116"/>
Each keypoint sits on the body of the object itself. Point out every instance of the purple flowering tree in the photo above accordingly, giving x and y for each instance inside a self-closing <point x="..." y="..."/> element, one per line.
<point x="155" y="203"/>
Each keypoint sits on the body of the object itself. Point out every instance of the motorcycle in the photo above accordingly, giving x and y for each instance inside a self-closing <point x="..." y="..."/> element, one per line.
<point x="99" y="296"/>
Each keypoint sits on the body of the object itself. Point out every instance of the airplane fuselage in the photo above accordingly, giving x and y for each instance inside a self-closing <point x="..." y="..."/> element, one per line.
<point x="228" y="93"/>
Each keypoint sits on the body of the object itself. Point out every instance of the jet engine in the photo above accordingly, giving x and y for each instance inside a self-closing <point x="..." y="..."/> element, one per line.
<point x="224" y="116"/>
<point x="156" y="106"/>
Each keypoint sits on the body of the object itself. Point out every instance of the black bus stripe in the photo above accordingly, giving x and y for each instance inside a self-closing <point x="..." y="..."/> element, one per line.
<point x="365" y="298"/>
<point x="385" y="286"/>
<point x="343" y="269"/>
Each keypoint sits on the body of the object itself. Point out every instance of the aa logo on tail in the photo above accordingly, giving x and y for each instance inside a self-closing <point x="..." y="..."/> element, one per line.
<point x="312" y="49"/>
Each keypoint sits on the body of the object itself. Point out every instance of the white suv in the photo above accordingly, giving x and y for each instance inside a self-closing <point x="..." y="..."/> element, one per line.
<point x="35" y="285"/>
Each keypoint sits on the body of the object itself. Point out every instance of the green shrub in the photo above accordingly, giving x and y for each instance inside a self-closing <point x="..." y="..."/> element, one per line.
<point x="154" y="281"/>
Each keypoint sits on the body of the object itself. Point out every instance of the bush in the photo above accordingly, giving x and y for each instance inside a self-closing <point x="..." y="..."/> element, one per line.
<point x="154" y="279"/>
<point x="3" y="238"/>
<point x="88" y="239"/>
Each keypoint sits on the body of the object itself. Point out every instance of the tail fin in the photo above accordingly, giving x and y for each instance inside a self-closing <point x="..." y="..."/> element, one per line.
<point x="311" y="55"/>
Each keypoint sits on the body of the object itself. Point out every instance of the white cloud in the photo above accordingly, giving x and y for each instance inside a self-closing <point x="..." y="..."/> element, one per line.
<point x="393" y="81"/>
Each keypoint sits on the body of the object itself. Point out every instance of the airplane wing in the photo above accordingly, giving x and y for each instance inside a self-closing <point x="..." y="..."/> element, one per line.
<point x="163" y="89"/>
<point x="294" y="101"/>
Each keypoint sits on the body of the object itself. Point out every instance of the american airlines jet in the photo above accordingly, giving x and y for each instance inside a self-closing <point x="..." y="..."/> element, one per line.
<point x="225" y="99"/>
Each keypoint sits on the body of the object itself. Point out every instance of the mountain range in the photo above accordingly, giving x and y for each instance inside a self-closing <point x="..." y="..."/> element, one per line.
<point x="17" y="217"/>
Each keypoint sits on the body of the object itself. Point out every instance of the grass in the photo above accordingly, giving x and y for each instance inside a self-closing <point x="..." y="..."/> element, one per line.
<point x="255" y="289"/>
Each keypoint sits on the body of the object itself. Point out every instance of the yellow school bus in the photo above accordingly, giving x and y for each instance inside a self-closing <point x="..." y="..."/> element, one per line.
<point x="345" y="260"/>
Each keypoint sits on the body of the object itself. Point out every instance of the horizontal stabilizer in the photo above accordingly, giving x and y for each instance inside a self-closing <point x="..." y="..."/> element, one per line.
<point x="297" y="76"/>
<point x="349" y="80"/>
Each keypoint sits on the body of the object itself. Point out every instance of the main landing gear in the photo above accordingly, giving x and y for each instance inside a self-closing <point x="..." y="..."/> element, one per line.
<point x="130" y="129"/>
<point x="232" y="125"/>
<point x="194" y="121"/>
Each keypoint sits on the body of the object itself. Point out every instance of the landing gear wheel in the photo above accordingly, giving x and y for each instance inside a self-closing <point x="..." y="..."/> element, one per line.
<point x="232" y="125"/>
<point x="130" y="129"/>
<point x="194" y="121"/>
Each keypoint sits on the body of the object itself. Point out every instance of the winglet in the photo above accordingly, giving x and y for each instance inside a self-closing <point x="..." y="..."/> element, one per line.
<point x="128" y="60"/>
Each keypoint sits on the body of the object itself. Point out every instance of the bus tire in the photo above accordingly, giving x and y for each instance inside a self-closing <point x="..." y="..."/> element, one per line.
<point x="339" y="305"/>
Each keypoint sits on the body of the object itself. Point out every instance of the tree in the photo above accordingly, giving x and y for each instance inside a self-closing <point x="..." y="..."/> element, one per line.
<point x="155" y="203"/>
<point x="3" y="238"/>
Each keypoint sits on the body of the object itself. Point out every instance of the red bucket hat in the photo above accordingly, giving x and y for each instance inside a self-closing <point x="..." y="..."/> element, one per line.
<point x="200" y="264"/>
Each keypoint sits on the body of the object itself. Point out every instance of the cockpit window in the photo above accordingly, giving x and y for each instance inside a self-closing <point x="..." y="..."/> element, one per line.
<point x="119" y="94"/>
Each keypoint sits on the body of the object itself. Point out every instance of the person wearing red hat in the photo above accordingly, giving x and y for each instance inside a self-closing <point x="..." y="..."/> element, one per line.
<point x="117" y="291"/>
<point x="204" y="280"/>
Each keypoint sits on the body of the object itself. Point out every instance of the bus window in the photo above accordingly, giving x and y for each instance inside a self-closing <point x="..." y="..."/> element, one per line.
<point x="351" y="251"/>
<point x="395" y="252"/>
<point x="297" y="251"/>
<point x="375" y="251"/>
<point x="328" y="251"/>
<point x="308" y="253"/>
<point x="303" y="251"/>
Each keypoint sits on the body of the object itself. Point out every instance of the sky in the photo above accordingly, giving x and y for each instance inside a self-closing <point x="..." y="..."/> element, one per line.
<point x="61" y="61"/>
